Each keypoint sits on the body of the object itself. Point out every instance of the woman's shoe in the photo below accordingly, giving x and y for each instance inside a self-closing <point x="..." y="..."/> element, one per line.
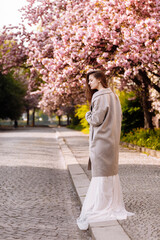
<point x="82" y="224"/>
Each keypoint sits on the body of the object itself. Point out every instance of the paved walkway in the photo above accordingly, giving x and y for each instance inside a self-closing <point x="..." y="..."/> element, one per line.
<point x="140" y="179"/>
<point x="37" y="198"/>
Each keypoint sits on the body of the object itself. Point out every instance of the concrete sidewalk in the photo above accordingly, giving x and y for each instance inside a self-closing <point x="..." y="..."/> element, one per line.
<point x="140" y="179"/>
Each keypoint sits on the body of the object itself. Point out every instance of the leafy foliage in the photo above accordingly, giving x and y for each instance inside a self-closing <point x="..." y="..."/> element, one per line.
<point x="12" y="93"/>
<point x="144" y="137"/>
<point x="132" y="111"/>
<point x="80" y="113"/>
<point x="78" y="121"/>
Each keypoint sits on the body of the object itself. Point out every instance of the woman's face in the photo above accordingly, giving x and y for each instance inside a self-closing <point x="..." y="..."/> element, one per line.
<point x="93" y="82"/>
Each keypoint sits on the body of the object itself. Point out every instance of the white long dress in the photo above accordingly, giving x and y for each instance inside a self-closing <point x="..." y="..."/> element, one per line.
<point x="103" y="202"/>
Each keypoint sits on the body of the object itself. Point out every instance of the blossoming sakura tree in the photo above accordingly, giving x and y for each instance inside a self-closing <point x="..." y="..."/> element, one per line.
<point x="12" y="50"/>
<point x="120" y="37"/>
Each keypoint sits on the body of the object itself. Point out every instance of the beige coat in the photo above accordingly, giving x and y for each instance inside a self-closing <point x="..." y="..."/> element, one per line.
<point x="105" y="127"/>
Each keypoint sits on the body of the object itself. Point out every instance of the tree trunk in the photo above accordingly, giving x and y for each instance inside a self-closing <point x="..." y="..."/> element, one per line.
<point x="15" y="124"/>
<point x="33" y="117"/>
<point x="27" y="116"/>
<point x="146" y="103"/>
<point x="146" y="109"/>
<point x="68" y="122"/>
<point x="59" y="120"/>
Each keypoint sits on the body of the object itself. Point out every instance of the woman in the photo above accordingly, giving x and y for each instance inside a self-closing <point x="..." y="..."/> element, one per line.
<point x="104" y="200"/>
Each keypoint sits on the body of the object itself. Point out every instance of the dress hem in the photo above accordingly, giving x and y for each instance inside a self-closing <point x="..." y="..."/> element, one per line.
<point x="103" y="202"/>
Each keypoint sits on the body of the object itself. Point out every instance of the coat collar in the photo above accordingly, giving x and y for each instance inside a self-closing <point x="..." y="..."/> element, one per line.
<point x="101" y="92"/>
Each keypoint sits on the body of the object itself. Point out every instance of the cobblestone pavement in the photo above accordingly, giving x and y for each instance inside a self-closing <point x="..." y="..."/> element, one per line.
<point x="37" y="198"/>
<point x="140" y="179"/>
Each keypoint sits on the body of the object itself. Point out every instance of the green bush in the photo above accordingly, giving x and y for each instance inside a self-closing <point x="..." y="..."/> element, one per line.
<point x="80" y="112"/>
<point x="149" y="138"/>
<point x="75" y="127"/>
<point x="133" y="116"/>
<point x="75" y="121"/>
<point x="79" y="122"/>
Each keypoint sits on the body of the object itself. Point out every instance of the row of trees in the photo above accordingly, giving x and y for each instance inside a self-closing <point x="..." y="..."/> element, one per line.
<point x="121" y="37"/>
<point x="15" y="89"/>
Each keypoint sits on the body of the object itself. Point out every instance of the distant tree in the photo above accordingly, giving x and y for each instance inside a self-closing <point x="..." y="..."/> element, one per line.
<point x="12" y="93"/>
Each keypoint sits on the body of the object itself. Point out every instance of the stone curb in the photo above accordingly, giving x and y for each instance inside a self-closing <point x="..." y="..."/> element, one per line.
<point x="111" y="230"/>
<point x="149" y="151"/>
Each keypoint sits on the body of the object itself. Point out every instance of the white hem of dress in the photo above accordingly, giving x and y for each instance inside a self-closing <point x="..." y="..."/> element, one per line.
<point x="103" y="202"/>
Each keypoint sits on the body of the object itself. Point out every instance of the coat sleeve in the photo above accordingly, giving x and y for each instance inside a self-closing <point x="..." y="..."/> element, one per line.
<point x="98" y="113"/>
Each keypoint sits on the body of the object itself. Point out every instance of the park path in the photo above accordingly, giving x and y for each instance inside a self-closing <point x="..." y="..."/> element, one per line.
<point x="37" y="198"/>
<point x="140" y="179"/>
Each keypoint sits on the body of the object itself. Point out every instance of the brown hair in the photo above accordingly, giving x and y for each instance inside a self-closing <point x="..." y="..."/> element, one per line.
<point x="99" y="75"/>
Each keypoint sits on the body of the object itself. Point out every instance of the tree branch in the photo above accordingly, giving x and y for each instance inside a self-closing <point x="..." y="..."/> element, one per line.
<point x="148" y="80"/>
<point x="155" y="74"/>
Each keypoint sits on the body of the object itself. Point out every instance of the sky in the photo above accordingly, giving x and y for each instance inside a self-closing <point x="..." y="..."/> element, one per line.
<point x="9" y="13"/>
